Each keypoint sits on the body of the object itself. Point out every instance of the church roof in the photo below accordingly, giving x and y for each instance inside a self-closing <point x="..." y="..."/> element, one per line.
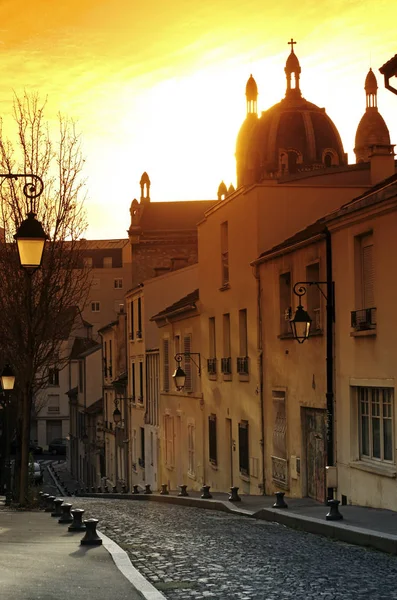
<point x="182" y="215"/>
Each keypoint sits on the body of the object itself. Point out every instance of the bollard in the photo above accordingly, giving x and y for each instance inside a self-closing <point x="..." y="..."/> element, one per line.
<point x="124" y="489"/>
<point x="106" y="488"/>
<point x="147" y="489"/>
<point x="99" y="489"/>
<point x="91" y="537"/>
<point x="135" y="489"/>
<point x="280" y="503"/>
<point x="93" y="490"/>
<point x="183" y="491"/>
<point x="114" y="489"/>
<point x="82" y="490"/>
<point x="334" y="514"/>
<point x="57" y="510"/>
<point x="87" y="489"/>
<point x="50" y="504"/>
<point x="76" y="492"/>
<point x="77" y="524"/>
<point x="206" y="492"/>
<point x="234" y="497"/>
<point x="43" y="501"/>
<point x="164" y="491"/>
<point x="66" y="517"/>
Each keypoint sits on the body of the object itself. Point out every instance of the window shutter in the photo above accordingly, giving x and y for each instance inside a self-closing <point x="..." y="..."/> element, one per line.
<point x="166" y="365"/>
<point x="187" y="345"/>
<point x="243" y="447"/>
<point x="368" y="275"/>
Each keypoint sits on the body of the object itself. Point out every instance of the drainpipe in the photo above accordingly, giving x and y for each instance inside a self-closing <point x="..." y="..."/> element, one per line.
<point x="260" y="367"/>
<point x="330" y="318"/>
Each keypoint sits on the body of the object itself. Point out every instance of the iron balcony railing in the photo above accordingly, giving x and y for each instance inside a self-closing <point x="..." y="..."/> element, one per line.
<point x="211" y="366"/>
<point x="242" y="365"/>
<point x="226" y="365"/>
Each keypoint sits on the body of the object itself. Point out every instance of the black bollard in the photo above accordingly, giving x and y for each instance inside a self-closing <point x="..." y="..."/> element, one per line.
<point x="135" y="489"/>
<point x="91" y="537"/>
<point x="66" y="517"/>
<point x="206" y="492"/>
<point x="57" y="507"/>
<point x="43" y="501"/>
<point x="106" y="489"/>
<point x="334" y="514"/>
<point x="87" y="489"/>
<point x="99" y="489"/>
<point x="280" y="503"/>
<point x="164" y="491"/>
<point x="147" y="489"/>
<point x="93" y="490"/>
<point x="234" y="497"/>
<point x="77" y="524"/>
<point x="124" y="489"/>
<point x="50" y="504"/>
<point x="114" y="489"/>
<point x="183" y="491"/>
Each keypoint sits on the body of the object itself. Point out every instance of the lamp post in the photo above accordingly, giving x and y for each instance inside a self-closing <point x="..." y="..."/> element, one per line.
<point x="179" y="375"/>
<point x="7" y="383"/>
<point x="30" y="238"/>
<point x="300" y="325"/>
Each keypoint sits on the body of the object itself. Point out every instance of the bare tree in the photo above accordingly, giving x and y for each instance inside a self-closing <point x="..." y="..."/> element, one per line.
<point x="38" y="309"/>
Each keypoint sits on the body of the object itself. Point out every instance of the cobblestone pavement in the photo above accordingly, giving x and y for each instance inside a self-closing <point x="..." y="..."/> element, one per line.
<point x="191" y="553"/>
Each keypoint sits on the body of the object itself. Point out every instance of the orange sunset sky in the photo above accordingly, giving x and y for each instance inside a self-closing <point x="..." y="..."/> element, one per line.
<point x="159" y="85"/>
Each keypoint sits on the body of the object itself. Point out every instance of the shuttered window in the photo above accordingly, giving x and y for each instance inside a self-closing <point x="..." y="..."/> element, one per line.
<point x="166" y="364"/>
<point x="367" y="272"/>
<point x="132" y="324"/>
<point x="187" y="345"/>
<point x="133" y="382"/>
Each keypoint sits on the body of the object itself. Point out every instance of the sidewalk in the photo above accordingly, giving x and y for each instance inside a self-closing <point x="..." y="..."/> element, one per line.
<point x="375" y="528"/>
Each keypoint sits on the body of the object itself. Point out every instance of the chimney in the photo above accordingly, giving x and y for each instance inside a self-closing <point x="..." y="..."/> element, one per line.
<point x="382" y="163"/>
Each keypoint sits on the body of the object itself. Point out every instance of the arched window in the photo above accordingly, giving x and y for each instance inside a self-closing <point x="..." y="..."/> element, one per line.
<point x="292" y="162"/>
<point x="328" y="160"/>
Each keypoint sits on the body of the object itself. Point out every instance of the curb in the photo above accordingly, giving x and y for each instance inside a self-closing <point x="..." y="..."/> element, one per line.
<point x="123" y="563"/>
<point x="340" y="530"/>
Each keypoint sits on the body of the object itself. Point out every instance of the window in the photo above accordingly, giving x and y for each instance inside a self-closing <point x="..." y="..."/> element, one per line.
<point x="212" y="439"/>
<point x="225" y="253"/>
<point x="133" y="450"/>
<point x="53" y="403"/>
<point x="132" y="324"/>
<point x="190" y="448"/>
<point x="81" y="376"/>
<point x="169" y="440"/>
<point x="87" y="261"/>
<point x="187" y="346"/>
<point x="364" y="317"/>
<point x="212" y="337"/>
<point x="133" y="381"/>
<point x="285" y="303"/>
<point x="140" y="398"/>
<point x="243" y="447"/>
<point x="226" y="360"/>
<point x="142" y="457"/>
<point x="166" y="365"/>
<point x="139" y="330"/>
<point x="118" y="284"/>
<point x="110" y="368"/>
<point x="95" y="306"/>
<point x="53" y="376"/>
<point x="107" y="262"/>
<point x="313" y="296"/>
<point x="375" y="407"/>
<point x="242" y="360"/>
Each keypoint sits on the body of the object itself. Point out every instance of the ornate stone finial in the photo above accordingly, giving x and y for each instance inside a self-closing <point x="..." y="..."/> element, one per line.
<point x="145" y="187"/>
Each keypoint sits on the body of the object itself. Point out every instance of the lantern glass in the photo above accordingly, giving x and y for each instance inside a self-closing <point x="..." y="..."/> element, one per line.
<point x="300" y="324"/>
<point x="7" y="378"/>
<point x="30" y="239"/>
<point x="179" y="378"/>
<point x="116" y="416"/>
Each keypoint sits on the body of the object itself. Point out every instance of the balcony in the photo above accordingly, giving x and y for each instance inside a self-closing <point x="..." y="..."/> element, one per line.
<point x="211" y="366"/>
<point x="242" y="365"/>
<point x="364" y="319"/>
<point x="280" y="472"/>
<point x="226" y="366"/>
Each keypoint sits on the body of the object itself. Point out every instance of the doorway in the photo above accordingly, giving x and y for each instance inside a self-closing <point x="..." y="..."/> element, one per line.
<point x="231" y="448"/>
<point x="315" y="445"/>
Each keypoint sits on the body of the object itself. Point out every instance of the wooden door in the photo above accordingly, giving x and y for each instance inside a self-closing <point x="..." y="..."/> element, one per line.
<point x="315" y="439"/>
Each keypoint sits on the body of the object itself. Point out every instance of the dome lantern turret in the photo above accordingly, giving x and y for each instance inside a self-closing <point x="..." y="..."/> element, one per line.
<point x="292" y="71"/>
<point x="251" y="92"/>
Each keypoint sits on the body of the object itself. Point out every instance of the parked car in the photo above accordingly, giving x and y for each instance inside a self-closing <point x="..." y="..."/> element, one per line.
<point x="38" y="473"/>
<point x="57" y="446"/>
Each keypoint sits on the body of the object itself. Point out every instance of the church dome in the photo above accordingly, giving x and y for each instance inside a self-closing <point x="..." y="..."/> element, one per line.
<point x="372" y="129"/>
<point x="291" y="136"/>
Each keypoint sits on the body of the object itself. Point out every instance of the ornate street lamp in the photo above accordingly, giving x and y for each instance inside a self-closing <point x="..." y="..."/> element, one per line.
<point x="7" y="378"/>
<point x="300" y="324"/>
<point x="179" y="375"/>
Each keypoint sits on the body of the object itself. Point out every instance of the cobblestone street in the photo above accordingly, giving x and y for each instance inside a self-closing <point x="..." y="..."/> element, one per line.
<point x="191" y="553"/>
